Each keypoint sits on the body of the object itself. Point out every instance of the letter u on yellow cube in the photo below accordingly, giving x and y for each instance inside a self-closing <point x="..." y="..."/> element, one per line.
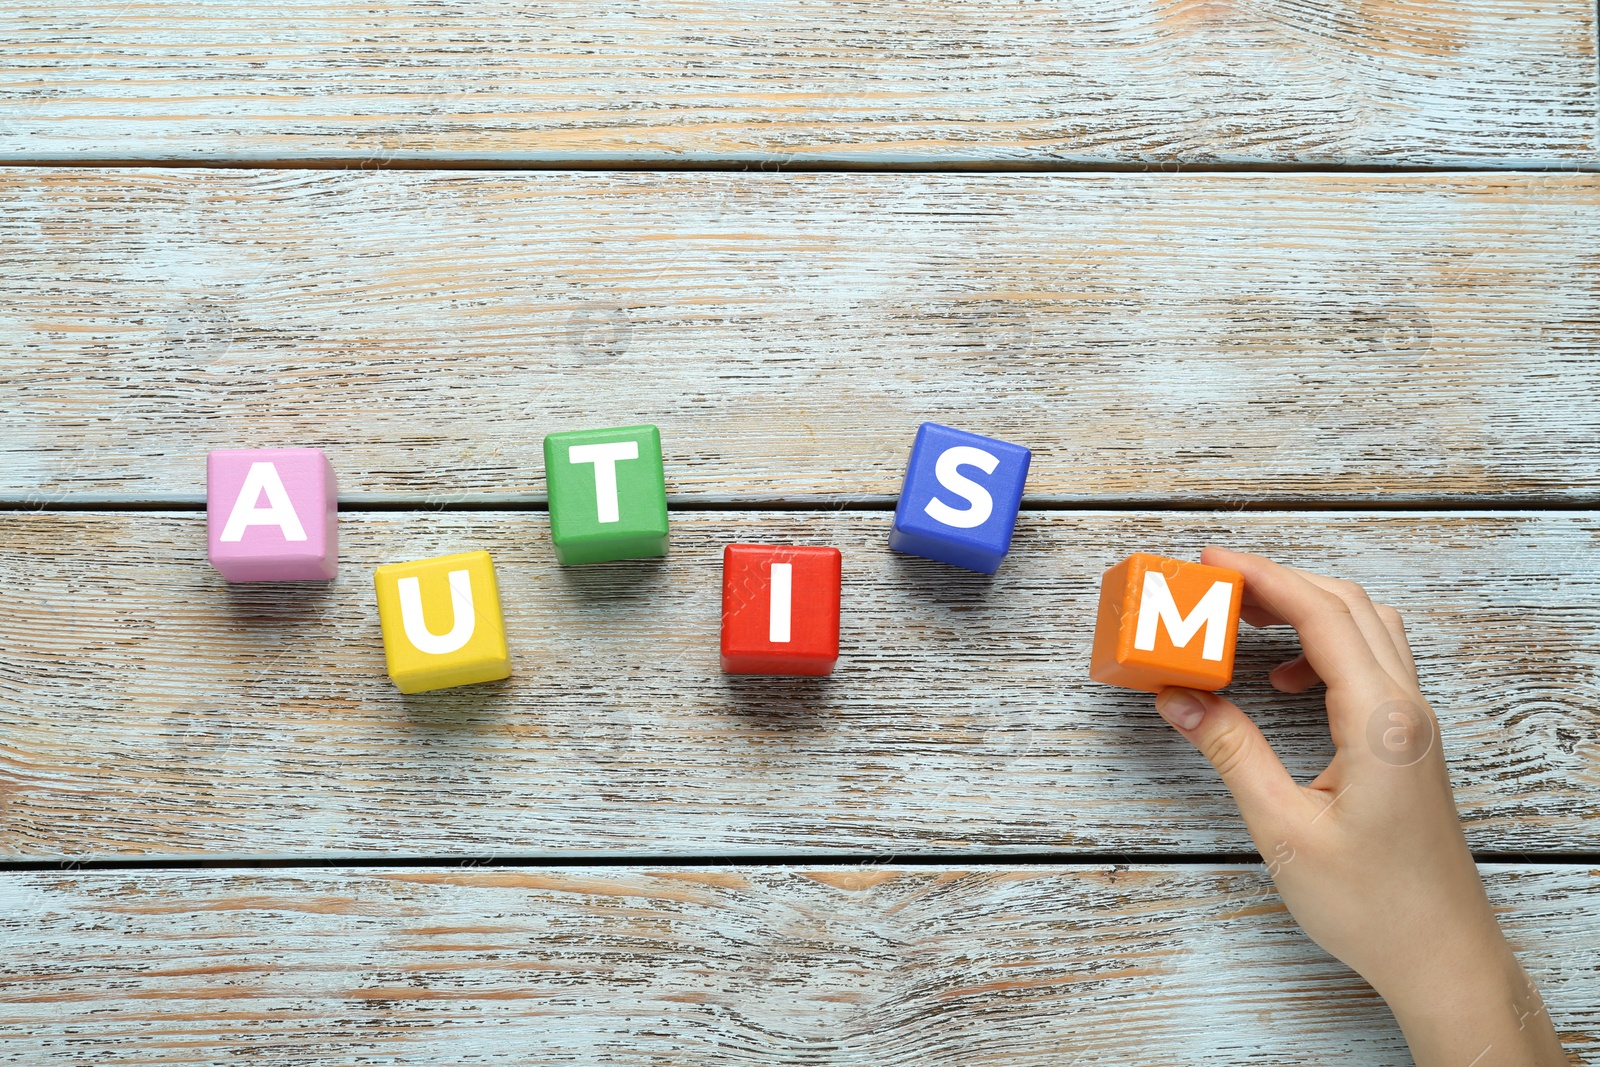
<point x="441" y="622"/>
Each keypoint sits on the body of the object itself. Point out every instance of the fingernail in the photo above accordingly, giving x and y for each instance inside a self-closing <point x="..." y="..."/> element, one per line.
<point x="1181" y="709"/>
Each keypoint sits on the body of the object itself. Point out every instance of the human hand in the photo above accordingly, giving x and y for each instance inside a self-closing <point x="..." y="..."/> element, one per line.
<point x="1370" y="858"/>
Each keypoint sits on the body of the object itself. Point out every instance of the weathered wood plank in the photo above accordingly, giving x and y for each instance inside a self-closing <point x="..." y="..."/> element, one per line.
<point x="1218" y="338"/>
<point x="894" y="966"/>
<point x="148" y="709"/>
<point x="1152" y="81"/>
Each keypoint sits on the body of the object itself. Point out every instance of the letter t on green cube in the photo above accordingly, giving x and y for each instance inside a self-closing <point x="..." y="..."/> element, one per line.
<point x="608" y="494"/>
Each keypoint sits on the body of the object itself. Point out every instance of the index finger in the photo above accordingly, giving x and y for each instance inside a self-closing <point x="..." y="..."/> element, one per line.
<point x="1333" y="642"/>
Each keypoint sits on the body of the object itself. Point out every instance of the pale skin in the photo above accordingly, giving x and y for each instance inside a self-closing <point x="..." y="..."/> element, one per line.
<point x="1369" y="857"/>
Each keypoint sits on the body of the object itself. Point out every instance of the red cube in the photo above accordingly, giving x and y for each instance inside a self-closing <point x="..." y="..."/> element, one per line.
<point x="780" y="609"/>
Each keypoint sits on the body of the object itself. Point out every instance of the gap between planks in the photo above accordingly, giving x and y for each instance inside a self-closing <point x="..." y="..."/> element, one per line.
<point x="444" y="161"/>
<point x="1091" y="860"/>
<point x="1442" y="507"/>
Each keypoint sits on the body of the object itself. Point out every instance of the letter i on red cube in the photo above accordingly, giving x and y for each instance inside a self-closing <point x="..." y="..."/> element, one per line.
<point x="780" y="609"/>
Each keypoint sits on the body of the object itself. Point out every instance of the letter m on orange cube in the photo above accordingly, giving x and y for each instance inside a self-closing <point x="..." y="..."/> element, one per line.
<point x="1165" y="622"/>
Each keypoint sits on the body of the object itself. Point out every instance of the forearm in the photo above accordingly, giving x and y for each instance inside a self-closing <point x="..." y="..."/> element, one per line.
<point x="1489" y="1015"/>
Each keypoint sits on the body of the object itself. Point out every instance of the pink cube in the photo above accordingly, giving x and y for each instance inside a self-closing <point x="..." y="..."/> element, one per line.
<point x="272" y="514"/>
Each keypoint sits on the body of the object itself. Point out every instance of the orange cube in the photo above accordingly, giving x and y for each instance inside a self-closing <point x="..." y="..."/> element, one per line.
<point x="1166" y="622"/>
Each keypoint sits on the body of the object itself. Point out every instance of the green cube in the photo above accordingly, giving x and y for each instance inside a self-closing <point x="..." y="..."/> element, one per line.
<point x="608" y="494"/>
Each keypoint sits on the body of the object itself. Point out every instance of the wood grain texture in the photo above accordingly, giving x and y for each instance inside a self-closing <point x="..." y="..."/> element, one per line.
<point x="1205" y="337"/>
<point x="148" y="709"/>
<point x="1153" y="81"/>
<point x="1037" y="967"/>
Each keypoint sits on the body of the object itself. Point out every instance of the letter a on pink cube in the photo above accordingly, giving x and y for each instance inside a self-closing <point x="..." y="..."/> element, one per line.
<point x="272" y="514"/>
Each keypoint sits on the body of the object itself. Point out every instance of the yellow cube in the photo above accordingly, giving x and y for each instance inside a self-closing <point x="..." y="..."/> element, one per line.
<point x="441" y="622"/>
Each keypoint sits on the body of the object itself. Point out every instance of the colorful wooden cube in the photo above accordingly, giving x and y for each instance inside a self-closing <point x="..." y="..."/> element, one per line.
<point x="441" y="622"/>
<point x="960" y="498"/>
<point x="1165" y="622"/>
<point x="780" y="609"/>
<point x="608" y="494"/>
<point x="272" y="514"/>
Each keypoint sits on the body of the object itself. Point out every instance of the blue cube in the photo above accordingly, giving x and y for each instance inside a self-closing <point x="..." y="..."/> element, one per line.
<point x="960" y="498"/>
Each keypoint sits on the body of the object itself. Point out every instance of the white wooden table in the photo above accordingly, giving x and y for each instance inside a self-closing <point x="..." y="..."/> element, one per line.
<point x="1319" y="280"/>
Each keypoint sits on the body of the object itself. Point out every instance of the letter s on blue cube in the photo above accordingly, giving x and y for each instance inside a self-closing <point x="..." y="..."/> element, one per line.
<point x="960" y="498"/>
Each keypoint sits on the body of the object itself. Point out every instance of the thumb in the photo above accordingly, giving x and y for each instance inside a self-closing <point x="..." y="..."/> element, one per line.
<point x="1235" y="746"/>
